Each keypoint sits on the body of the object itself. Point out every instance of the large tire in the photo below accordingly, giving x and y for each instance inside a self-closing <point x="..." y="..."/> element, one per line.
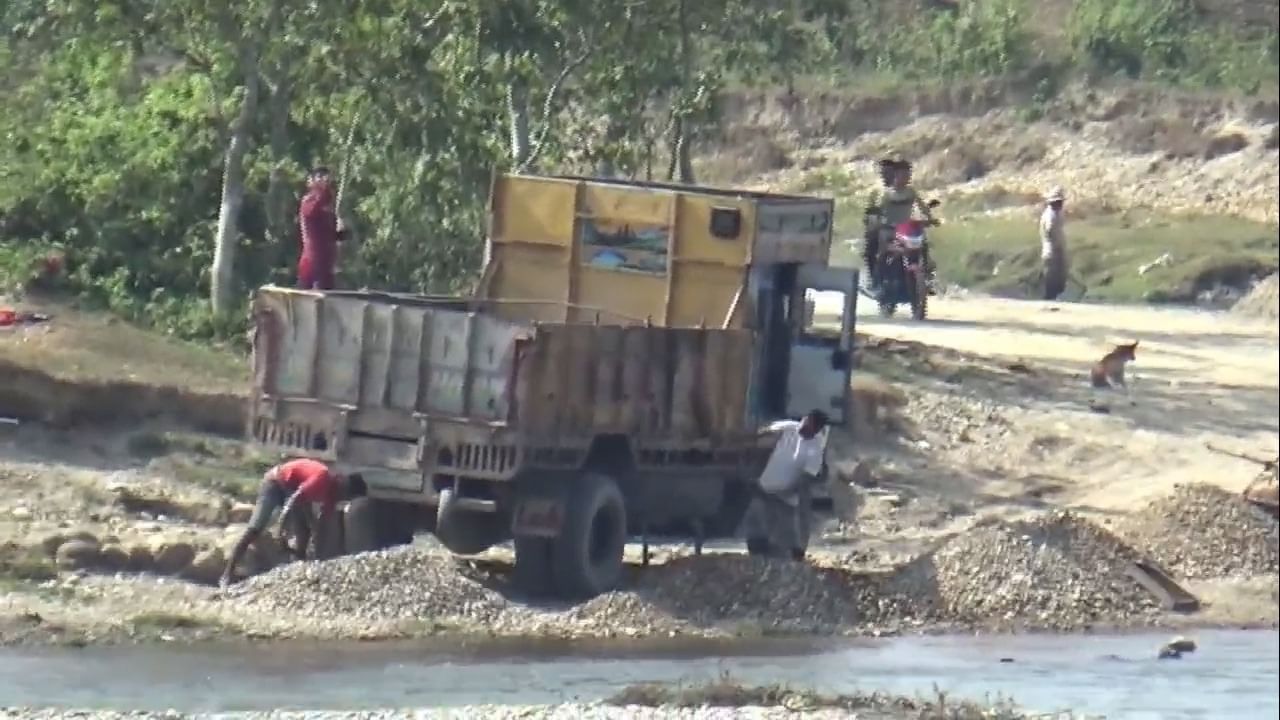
<point x="587" y="555"/>
<point x="462" y="532"/>
<point x="359" y="527"/>
<point x="370" y="524"/>
<point x="533" y="565"/>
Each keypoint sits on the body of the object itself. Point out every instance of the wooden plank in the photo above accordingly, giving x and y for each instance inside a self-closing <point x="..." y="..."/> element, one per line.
<point x="406" y="357"/>
<point x="375" y="353"/>
<point x="735" y="371"/>
<point x="607" y="409"/>
<point x="556" y="378"/>
<point x="422" y="404"/>
<point x="659" y="368"/>
<point x="578" y="384"/>
<point x="636" y="397"/>
<point x="714" y="383"/>
<point x="687" y="413"/>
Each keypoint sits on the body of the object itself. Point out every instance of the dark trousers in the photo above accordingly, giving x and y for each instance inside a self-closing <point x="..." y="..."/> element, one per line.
<point x="1055" y="276"/>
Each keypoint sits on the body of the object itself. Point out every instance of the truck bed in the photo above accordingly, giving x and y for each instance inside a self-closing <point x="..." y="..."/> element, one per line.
<point x="355" y="371"/>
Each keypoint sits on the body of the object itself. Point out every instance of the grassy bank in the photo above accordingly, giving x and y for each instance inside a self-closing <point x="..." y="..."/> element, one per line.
<point x="82" y="346"/>
<point x="1121" y="257"/>
<point x="1132" y="256"/>
<point x="727" y="692"/>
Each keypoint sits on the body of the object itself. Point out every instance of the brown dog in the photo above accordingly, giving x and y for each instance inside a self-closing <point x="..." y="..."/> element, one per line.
<point x="1109" y="371"/>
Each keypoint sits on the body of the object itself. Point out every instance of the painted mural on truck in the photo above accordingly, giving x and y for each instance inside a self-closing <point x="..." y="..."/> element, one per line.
<point x="625" y="246"/>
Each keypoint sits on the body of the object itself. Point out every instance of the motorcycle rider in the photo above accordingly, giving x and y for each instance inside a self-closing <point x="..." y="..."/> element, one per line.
<point x="894" y="204"/>
<point x="872" y="222"/>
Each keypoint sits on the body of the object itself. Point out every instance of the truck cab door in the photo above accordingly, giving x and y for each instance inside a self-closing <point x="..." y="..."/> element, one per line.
<point x="821" y="364"/>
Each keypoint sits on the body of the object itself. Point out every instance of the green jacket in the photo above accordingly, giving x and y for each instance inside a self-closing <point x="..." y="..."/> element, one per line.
<point x="892" y="206"/>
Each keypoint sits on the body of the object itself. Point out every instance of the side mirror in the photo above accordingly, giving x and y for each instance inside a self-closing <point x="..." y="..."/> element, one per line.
<point x="840" y="360"/>
<point x="934" y="203"/>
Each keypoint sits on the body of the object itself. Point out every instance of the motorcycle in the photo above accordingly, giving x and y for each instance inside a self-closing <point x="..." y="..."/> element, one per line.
<point x="903" y="276"/>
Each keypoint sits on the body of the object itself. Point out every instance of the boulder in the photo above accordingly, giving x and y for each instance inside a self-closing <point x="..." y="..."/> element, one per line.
<point x="77" y="554"/>
<point x="1182" y="644"/>
<point x="140" y="558"/>
<point x="113" y="557"/>
<point x="51" y="543"/>
<point x="172" y="556"/>
<point x="240" y="513"/>
<point x="206" y="567"/>
<point x="268" y="552"/>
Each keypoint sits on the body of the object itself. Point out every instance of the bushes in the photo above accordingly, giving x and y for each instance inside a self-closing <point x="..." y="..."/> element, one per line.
<point x="978" y="38"/>
<point x="1164" y="40"/>
<point x="1169" y="40"/>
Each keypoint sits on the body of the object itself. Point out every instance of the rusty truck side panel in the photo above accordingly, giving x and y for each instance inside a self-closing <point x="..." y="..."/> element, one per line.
<point x="655" y="385"/>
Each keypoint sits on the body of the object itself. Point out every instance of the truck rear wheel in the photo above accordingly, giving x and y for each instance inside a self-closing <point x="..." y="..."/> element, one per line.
<point x="464" y="532"/>
<point x="533" y="565"/>
<point x="587" y="555"/>
<point x="370" y="524"/>
<point x="359" y="528"/>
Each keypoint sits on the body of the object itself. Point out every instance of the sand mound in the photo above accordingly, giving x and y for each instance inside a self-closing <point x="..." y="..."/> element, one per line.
<point x="1058" y="571"/>
<point x="1263" y="301"/>
<point x="1202" y="531"/>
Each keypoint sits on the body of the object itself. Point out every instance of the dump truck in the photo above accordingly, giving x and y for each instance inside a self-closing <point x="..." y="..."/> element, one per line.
<point x="609" y="376"/>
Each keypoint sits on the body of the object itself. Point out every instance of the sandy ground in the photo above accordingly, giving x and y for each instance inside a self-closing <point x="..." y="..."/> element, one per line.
<point x="1200" y="378"/>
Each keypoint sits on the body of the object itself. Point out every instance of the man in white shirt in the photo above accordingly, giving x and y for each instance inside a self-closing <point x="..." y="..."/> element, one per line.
<point x="777" y="522"/>
<point x="1053" y="244"/>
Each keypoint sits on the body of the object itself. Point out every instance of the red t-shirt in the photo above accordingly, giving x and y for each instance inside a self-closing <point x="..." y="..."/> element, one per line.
<point x="313" y="479"/>
<point x="319" y="224"/>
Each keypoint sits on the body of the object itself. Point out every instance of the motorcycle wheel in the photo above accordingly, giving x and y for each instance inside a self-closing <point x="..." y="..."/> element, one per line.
<point x="887" y="295"/>
<point x="919" y="296"/>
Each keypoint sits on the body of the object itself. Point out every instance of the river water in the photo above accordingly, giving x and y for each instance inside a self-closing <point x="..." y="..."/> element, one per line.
<point x="1235" y="674"/>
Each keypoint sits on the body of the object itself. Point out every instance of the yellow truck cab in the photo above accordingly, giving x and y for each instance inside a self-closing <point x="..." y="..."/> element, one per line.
<point x="608" y="377"/>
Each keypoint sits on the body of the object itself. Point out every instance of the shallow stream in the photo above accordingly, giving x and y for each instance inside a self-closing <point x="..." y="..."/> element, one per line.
<point x="1235" y="674"/>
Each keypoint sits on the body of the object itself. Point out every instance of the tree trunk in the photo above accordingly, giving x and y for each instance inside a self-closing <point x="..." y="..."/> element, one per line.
<point x="278" y="215"/>
<point x="681" y="159"/>
<point x="342" y="204"/>
<point x="223" y="275"/>
<point x="684" y="154"/>
<point x="518" y="117"/>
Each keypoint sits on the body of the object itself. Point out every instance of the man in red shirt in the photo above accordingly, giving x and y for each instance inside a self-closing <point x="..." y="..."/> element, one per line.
<point x="318" y="222"/>
<point x="283" y="487"/>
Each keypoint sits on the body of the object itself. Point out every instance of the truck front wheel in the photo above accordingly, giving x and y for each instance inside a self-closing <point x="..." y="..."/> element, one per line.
<point x="587" y="555"/>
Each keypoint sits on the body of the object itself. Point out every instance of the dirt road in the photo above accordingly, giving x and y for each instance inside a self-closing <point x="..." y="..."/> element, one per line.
<point x="1020" y="369"/>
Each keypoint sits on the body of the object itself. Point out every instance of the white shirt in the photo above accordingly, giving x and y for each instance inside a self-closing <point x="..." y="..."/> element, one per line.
<point x="1053" y="237"/>
<point x="792" y="457"/>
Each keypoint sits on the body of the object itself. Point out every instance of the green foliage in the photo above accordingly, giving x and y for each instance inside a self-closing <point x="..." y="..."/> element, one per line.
<point x="117" y="115"/>
<point x="1168" y="40"/>
<point x="978" y="38"/>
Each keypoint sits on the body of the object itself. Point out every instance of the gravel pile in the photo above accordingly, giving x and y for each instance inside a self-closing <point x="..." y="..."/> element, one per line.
<point x="1263" y="301"/>
<point x="390" y="585"/>
<point x="1202" y="531"/>
<point x="1058" y="571"/>
<point x="778" y="594"/>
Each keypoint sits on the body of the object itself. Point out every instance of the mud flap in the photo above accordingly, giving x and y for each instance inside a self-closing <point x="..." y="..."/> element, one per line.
<point x="538" y="517"/>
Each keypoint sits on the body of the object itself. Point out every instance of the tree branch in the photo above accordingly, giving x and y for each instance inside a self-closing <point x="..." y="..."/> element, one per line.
<point x="549" y="101"/>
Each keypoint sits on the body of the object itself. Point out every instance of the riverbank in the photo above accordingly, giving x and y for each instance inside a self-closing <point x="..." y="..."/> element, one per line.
<point x="989" y="489"/>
